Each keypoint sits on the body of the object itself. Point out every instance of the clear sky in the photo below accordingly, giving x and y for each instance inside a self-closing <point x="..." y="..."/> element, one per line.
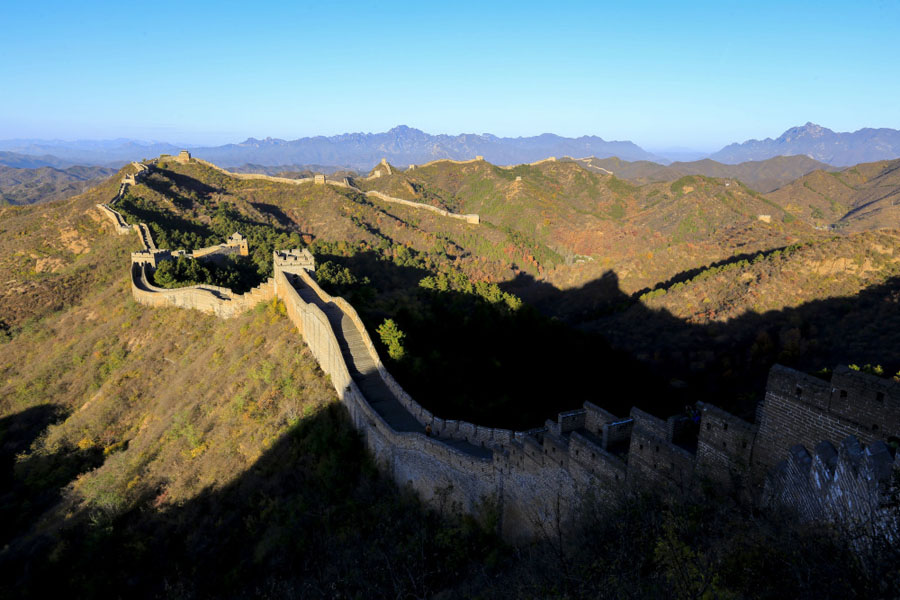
<point x="661" y="74"/>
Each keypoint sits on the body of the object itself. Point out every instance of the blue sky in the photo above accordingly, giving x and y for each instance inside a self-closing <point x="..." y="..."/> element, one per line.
<point x="661" y="74"/>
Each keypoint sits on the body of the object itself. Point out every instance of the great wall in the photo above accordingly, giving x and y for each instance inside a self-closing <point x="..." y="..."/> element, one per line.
<point x="474" y="219"/>
<point x="540" y="479"/>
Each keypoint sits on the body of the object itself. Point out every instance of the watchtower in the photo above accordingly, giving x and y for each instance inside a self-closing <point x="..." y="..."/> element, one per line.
<point x="292" y="260"/>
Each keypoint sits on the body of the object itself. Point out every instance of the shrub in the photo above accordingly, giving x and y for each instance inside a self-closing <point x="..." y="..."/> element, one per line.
<point x="392" y="337"/>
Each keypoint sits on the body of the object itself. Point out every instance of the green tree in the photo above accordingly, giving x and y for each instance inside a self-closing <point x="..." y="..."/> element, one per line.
<point x="392" y="337"/>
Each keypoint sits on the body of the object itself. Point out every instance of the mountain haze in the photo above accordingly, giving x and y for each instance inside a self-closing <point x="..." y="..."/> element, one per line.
<point x="401" y="145"/>
<point x="822" y="144"/>
<point x="91" y="152"/>
<point x="31" y="161"/>
<point x="43" y="184"/>
<point x="404" y="146"/>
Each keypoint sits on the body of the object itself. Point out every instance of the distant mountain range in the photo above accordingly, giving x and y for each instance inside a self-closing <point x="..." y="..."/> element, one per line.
<point x="401" y="145"/>
<point x="29" y="161"/>
<point x="819" y="143"/>
<point x="404" y="145"/>
<point x="107" y="153"/>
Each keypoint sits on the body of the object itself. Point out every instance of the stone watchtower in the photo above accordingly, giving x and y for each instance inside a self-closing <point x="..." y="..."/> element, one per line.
<point x="290" y="261"/>
<point x="183" y="157"/>
<point x="240" y="242"/>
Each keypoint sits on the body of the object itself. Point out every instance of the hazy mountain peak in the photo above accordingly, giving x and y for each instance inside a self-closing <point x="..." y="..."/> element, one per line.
<point x="810" y="130"/>
<point x="819" y="143"/>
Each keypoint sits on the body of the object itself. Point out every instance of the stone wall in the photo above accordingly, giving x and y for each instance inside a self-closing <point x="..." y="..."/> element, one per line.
<point x="437" y="471"/>
<point x="121" y="226"/>
<point x="533" y="164"/>
<point x="118" y="221"/>
<point x="344" y="183"/>
<point x="449" y="161"/>
<point x="724" y="445"/>
<point x="470" y="218"/>
<point x="541" y="478"/>
<point x="451" y="429"/>
<point x="846" y="484"/>
<point x="219" y="301"/>
<point x="803" y="409"/>
<point x="653" y="457"/>
<point x="236" y="244"/>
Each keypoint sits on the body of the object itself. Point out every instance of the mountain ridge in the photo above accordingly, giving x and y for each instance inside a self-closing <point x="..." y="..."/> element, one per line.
<point x="841" y="149"/>
<point x="405" y="145"/>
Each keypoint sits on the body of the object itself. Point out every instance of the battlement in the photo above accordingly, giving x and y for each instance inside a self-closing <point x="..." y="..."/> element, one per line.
<point x="800" y="408"/>
<point x="724" y="444"/>
<point x="235" y="244"/>
<point x="865" y="399"/>
<point x="294" y="260"/>
<point x="140" y="173"/>
<point x="847" y="484"/>
<point x="149" y="257"/>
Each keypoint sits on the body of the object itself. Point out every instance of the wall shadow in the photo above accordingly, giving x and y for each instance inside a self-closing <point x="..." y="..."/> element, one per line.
<point x="30" y="485"/>
<point x="470" y="359"/>
<point x="469" y="356"/>
<point x="727" y="363"/>
<point x="311" y="518"/>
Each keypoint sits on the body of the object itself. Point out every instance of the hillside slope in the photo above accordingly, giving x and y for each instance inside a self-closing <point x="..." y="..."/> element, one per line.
<point x="810" y="306"/>
<point x="28" y="186"/>
<point x="762" y="176"/>
<point x="594" y="221"/>
<point x="164" y="452"/>
<point x="859" y="198"/>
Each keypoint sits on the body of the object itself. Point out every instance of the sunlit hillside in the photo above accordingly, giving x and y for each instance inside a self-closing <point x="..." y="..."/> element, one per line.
<point x="175" y="443"/>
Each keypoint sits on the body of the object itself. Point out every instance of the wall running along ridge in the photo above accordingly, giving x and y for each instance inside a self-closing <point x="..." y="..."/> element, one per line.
<point x="345" y="183"/>
<point x="542" y="478"/>
<point x="212" y="299"/>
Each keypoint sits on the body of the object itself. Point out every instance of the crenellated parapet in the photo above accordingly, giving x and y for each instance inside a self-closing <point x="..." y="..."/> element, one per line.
<point x="294" y="261"/>
<point x="849" y="484"/>
<point x="724" y="445"/>
<point x="804" y="409"/>
<point x="236" y="244"/>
